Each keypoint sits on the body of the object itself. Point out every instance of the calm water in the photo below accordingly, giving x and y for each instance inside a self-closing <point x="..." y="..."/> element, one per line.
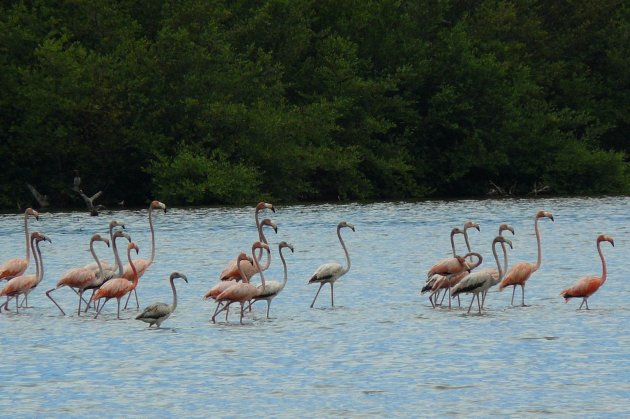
<point x="381" y="351"/>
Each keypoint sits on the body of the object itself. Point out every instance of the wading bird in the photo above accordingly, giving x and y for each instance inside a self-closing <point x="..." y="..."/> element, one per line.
<point x="587" y="286"/>
<point x="156" y="313"/>
<point x="328" y="273"/>
<point x="17" y="266"/>
<point x="273" y="288"/>
<point x="143" y="264"/>
<point x="521" y="271"/>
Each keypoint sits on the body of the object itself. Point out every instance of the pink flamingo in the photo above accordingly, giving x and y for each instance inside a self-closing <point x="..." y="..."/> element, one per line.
<point x="481" y="281"/>
<point x="331" y="272"/>
<point x="24" y="284"/>
<point x="273" y="288"/>
<point x="428" y="285"/>
<point x="587" y="286"/>
<point x="521" y="271"/>
<point x="241" y="292"/>
<point x="143" y="264"/>
<point x="17" y="266"/>
<point x="232" y="273"/>
<point x="118" y="287"/>
<point x="80" y="278"/>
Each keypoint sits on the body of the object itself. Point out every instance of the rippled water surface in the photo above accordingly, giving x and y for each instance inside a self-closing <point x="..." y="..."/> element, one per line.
<point x="381" y="351"/>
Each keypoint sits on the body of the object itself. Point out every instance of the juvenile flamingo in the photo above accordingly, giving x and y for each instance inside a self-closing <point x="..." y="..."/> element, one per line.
<point x="24" y="284"/>
<point x="521" y="271"/>
<point x="118" y="287"/>
<point x="273" y="288"/>
<point x="143" y="264"/>
<point x="80" y="278"/>
<point x="503" y="227"/>
<point x="480" y="281"/>
<point x="156" y="313"/>
<point x="17" y="266"/>
<point x="331" y="272"/>
<point x="587" y="286"/>
<point x="242" y="292"/>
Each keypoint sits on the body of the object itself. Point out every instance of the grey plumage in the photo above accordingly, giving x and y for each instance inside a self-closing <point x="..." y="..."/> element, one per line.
<point x="156" y="313"/>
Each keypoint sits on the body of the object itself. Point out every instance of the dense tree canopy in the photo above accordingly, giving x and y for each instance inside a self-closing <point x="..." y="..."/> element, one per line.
<point x="228" y="101"/>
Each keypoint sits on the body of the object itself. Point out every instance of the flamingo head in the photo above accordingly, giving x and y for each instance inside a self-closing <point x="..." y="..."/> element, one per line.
<point x="268" y="222"/>
<point x="605" y="238"/>
<point x="157" y="205"/>
<point x="32" y="213"/>
<point x="38" y="237"/>
<point x="132" y="246"/>
<point x="345" y="224"/>
<point x="471" y="266"/>
<point x="456" y="230"/>
<point x="115" y="223"/>
<point x="121" y="233"/>
<point x="283" y="244"/>
<point x="471" y="224"/>
<point x="547" y="214"/>
<point x="178" y="275"/>
<point x="501" y="239"/>
<point x="98" y="237"/>
<point x="504" y="227"/>
<point x="264" y="205"/>
<point x="259" y="245"/>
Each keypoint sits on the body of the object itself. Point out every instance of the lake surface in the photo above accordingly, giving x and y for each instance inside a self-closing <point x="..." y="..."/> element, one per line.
<point x="381" y="351"/>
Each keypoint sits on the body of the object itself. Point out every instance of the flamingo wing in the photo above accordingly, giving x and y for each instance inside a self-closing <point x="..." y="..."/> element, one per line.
<point x="141" y="266"/>
<point x="326" y="273"/>
<point x="13" y="268"/>
<point x="584" y="287"/>
<point x="447" y="266"/>
<point x="155" y="311"/>
<point x="18" y="285"/>
<point x="271" y="288"/>
<point x="218" y="289"/>
<point x="116" y="287"/>
<point x="518" y="274"/>
<point x="77" y="277"/>
<point x="475" y="282"/>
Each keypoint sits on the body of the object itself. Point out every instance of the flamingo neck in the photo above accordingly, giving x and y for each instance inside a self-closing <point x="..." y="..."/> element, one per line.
<point x="453" y="244"/>
<point x="98" y="262"/>
<point x="286" y="273"/>
<point x="263" y="239"/>
<point x="174" y="305"/>
<point x="37" y="257"/>
<point x="601" y="256"/>
<point x="133" y="268"/>
<point x="152" y="236"/>
<point x="344" y="249"/>
<point x="262" y="277"/>
<point x="505" y="258"/>
<point x="539" y="258"/>
<point x="496" y="258"/>
<point x="28" y="247"/>
<point x="118" y="265"/>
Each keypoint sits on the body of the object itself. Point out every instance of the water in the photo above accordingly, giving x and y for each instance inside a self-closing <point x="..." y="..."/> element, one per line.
<point x="381" y="351"/>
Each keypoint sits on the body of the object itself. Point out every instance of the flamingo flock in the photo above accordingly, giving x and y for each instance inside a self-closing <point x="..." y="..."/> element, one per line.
<point x="237" y="285"/>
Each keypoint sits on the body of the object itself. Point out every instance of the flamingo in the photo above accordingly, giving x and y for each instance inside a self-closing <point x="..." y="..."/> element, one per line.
<point x="231" y="272"/>
<point x="428" y="285"/>
<point x="587" y="286"/>
<point x="110" y="272"/>
<point x="521" y="271"/>
<point x="24" y="284"/>
<point x="106" y="266"/>
<point x="80" y="278"/>
<point x="480" y="281"/>
<point x="241" y="292"/>
<point x="17" y="266"/>
<point x="143" y="264"/>
<point x="503" y="227"/>
<point x="448" y="280"/>
<point x="273" y="288"/>
<point x="118" y="287"/>
<point x="156" y="313"/>
<point x="331" y="272"/>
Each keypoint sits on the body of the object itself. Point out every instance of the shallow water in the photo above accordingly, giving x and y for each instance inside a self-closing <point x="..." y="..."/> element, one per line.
<point x="382" y="350"/>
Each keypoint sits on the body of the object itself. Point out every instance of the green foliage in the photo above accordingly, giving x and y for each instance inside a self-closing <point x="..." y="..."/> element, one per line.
<point x="192" y="178"/>
<point x="225" y="101"/>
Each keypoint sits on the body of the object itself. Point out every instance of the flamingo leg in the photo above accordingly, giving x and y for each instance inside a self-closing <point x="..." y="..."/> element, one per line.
<point x="332" y="295"/>
<point x="101" y="307"/>
<point x="513" y="291"/>
<point x="118" y="313"/>
<point x="320" y="288"/>
<point x="471" y="303"/>
<point x="129" y="296"/>
<point x="268" y="304"/>
<point x="522" y="295"/>
<point x="443" y="295"/>
<point x="483" y="298"/>
<point x="478" y="303"/>
<point x="17" y="297"/>
<point x="449" y="297"/>
<point x="51" y="299"/>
